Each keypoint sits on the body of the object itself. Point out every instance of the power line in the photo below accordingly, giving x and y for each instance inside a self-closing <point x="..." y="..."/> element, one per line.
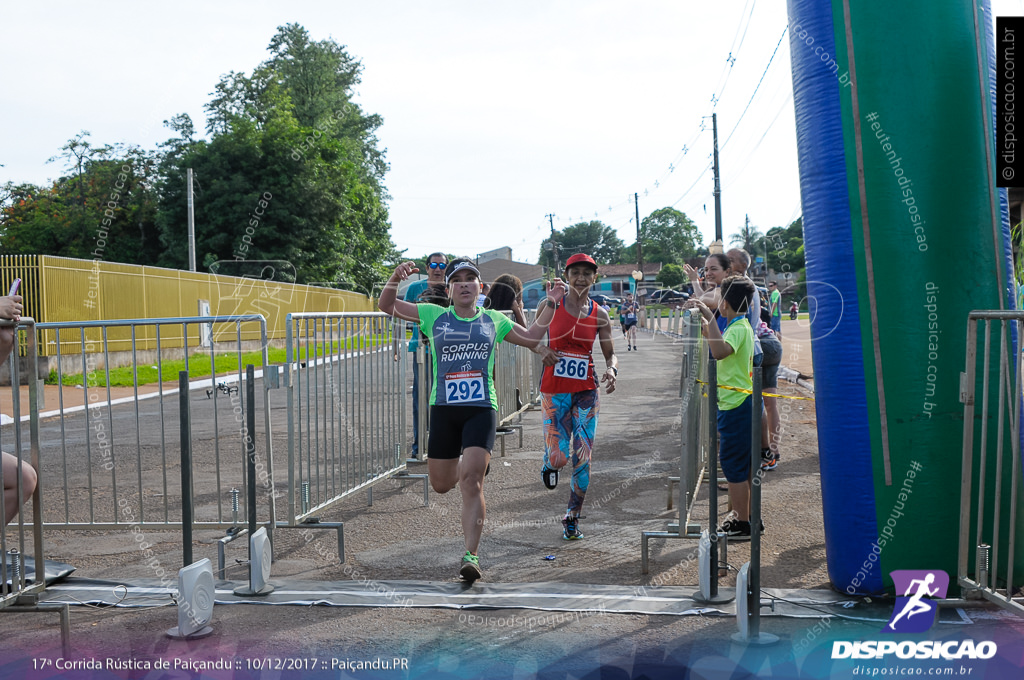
<point x="674" y="166"/>
<point x="715" y="98"/>
<point x="734" y="48"/>
<point x="750" y="154"/>
<point x="703" y="125"/>
<point x="750" y="101"/>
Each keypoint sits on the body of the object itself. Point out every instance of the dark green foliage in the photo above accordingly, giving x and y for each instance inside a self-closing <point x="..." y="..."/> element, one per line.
<point x="672" y="275"/>
<point x="104" y="208"/>
<point x="669" y="237"/>
<point x="785" y="246"/>
<point x="593" y="238"/>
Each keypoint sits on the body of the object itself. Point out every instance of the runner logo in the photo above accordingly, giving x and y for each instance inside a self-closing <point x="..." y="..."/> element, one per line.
<point x="914" y="613"/>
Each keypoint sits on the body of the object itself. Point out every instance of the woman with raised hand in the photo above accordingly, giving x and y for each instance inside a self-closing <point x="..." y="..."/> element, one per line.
<point x="716" y="268"/>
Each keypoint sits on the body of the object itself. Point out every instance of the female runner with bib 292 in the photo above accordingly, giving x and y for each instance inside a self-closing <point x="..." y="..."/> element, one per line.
<point x="463" y="403"/>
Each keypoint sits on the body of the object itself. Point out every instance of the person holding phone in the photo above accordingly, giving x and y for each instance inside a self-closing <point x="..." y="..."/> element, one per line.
<point x="11" y="309"/>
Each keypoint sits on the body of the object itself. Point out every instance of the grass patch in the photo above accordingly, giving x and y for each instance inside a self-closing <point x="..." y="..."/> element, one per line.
<point x="199" y="364"/>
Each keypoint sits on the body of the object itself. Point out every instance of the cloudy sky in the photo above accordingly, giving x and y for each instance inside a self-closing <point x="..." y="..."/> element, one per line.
<point x="495" y="114"/>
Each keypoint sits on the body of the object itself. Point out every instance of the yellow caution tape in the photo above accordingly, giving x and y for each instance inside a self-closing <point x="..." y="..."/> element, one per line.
<point x="763" y="394"/>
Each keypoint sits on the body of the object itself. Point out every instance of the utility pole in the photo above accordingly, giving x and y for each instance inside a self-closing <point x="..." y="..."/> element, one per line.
<point x="765" y="241"/>
<point x="639" y="245"/>
<point x="554" y="244"/>
<point x="718" y="184"/>
<point x="191" y="227"/>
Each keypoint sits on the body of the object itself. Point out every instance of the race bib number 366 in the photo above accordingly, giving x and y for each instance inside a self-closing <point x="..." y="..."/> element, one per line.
<point x="572" y="366"/>
<point x="464" y="387"/>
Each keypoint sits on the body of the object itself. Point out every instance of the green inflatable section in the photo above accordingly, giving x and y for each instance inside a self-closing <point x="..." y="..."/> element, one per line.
<point x="925" y="231"/>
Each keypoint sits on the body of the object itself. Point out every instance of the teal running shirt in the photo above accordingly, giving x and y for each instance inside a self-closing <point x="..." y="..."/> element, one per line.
<point x="463" y="354"/>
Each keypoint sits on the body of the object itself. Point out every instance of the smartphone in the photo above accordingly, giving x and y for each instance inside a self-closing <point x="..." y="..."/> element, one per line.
<point x="14" y="287"/>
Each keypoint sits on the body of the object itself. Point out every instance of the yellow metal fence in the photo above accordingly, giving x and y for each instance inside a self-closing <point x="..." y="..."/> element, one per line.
<point x="65" y="289"/>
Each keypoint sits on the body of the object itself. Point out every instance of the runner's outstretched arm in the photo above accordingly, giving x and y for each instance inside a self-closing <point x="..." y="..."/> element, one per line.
<point x="389" y="302"/>
<point x="530" y="337"/>
<point x="604" y="336"/>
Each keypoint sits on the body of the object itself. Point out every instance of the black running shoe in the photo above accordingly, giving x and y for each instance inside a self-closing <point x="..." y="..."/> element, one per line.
<point x="572" y="529"/>
<point x="735" y="527"/>
<point x="738" y="528"/>
<point x="550" y="477"/>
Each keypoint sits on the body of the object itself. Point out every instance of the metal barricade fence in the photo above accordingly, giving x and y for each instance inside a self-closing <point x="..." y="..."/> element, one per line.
<point x="14" y="580"/>
<point x="993" y="568"/>
<point x="533" y="369"/>
<point x="695" y="421"/>
<point x="107" y="450"/>
<point x="695" y="439"/>
<point x="526" y="377"/>
<point x="511" y="366"/>
<point x="345" y="379"/>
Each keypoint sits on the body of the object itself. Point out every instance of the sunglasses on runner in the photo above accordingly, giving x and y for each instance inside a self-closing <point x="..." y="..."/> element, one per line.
<point x="438" y="265"/>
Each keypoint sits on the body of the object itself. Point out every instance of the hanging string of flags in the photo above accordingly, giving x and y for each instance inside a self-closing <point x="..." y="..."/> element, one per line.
<point x="677" y="162"/>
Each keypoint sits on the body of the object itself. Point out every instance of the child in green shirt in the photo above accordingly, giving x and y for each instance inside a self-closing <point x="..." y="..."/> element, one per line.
<point x="734" y="351"/>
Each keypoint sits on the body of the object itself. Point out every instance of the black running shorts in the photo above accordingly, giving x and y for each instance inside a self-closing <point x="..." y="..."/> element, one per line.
<point x="454" y="428"/>
<point x="772" y="349"/>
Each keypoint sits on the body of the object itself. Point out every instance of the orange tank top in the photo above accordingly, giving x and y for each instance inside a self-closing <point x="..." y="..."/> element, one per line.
<point x="573" y="339"/>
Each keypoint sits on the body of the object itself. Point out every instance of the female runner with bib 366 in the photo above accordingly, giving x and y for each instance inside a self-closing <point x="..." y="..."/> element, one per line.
<point x="569" y="386"/>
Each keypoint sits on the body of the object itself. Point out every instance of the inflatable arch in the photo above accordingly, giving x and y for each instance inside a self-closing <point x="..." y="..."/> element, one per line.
<point x="905" y="233"/>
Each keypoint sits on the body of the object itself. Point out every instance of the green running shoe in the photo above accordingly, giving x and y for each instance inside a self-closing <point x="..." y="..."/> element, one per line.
<point x="470" y="570"/>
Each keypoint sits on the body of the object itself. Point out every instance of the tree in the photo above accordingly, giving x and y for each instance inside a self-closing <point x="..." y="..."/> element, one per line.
<point x="78" y="152"/>
<point x="668" y="236"/>
<point x="319" y="79"/>
<point x="785" y="247"/>
<point x="291" y="171"/>
<point x="593" y="238"/>
<point x="671" y="275"/>
<point x="748" y="238"/>
<point x="106" y="210"/>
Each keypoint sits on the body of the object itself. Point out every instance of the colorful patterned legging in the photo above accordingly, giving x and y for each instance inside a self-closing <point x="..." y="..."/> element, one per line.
<point x="570" y="420"/>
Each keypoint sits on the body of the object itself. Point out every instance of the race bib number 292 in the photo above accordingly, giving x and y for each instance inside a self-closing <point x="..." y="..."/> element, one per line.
<point x="464" y="387"/>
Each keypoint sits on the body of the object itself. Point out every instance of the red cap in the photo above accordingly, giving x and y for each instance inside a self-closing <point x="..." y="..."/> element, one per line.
<point x="581" y="257"/>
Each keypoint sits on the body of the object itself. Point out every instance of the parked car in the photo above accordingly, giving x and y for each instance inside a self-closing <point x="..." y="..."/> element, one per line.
<point x="666" y="296"/>
<point x="602" y="299"/>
